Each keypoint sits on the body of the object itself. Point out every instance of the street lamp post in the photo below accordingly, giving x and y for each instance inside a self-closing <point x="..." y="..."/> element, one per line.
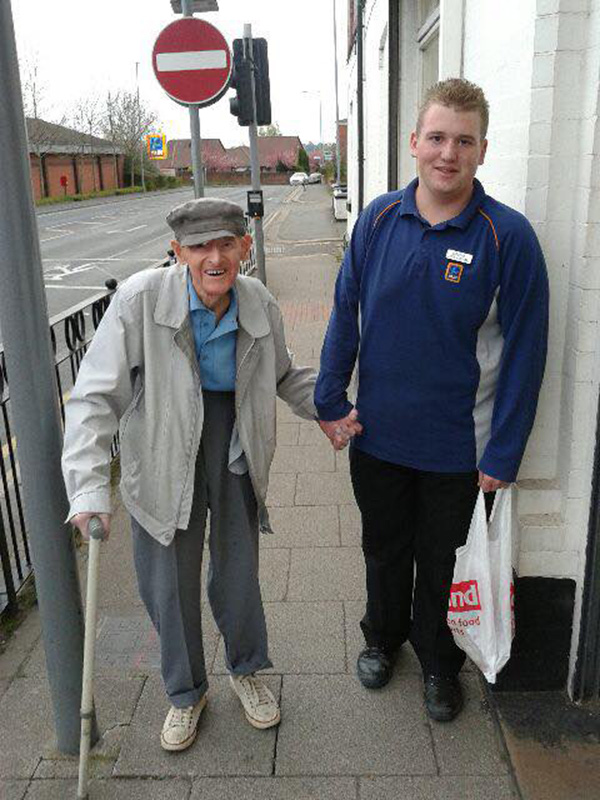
<point x="337" y="104"/>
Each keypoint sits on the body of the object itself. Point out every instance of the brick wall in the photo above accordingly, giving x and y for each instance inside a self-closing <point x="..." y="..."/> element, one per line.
<point x="94" y="173"/>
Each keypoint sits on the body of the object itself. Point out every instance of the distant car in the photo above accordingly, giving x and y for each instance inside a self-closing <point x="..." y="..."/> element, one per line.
<point x="298" y="179"/>
<point x="314" y="177"/>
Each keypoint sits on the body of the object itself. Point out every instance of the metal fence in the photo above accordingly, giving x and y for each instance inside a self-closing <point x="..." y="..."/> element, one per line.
<point x="71" y="333"/>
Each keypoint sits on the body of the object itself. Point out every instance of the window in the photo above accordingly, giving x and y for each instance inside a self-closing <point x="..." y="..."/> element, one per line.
<point x="428" y="39"/>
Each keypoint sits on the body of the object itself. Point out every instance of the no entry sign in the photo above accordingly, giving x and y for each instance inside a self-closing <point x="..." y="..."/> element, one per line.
<point x="192" y="62"/>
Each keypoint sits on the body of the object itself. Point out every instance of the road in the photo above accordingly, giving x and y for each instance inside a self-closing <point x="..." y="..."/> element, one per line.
<point x="84" y="245"/>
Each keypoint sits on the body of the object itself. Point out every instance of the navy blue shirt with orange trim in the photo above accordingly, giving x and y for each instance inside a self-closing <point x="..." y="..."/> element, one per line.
<point x="449" y="324"/>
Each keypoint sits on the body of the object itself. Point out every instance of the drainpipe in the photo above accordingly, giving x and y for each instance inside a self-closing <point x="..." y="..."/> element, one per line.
<point x="586" y="681"/>
<point x="393" y="92"/>
<point x="360" y="106"/>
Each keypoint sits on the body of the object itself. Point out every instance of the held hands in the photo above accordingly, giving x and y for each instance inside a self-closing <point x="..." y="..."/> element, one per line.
<point x="340" y="431"/>
<point x="81" y="522"/>
<point x="489" y="484"/>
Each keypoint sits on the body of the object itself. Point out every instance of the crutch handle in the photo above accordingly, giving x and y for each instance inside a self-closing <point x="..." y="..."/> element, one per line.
<point x="96" y="529"/>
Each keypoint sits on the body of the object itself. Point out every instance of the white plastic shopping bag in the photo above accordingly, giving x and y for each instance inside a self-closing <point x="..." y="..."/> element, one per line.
<point x="481" y="605"/>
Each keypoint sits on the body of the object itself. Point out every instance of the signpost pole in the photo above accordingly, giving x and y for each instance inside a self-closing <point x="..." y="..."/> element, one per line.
<point x="259" y="237"/>
<point x="196" y="146"/>
<point x="34" y="408"/>
<point x="196" y="141"/>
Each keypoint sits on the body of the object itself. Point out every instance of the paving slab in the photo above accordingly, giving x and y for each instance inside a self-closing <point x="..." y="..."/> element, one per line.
<point x="458" y="788"/>
<point x="275" y="789"/>
<point x="113" y="789"/>
<point x="282" y="489"/>
<point x="336" y="727"/>
<point x="26" y="727"/>
<point x="323" y="489"/>
<point x="116" y="699"/>
<point x="284" y="412"/>
<point x="327" y="573"/>
<point x="310" y="433"/>
<point x="18" y="648"/>
<point x="288" y="433"/>
<point x="226" y="744"/>
<point x="303" y="638"/>
<point x="303" y="526"/>
<point x="304" y="458"/>
<point x="342" y="462"/>
<point x="13" y="790"/>
<point x="273" y="573"/>
<point x="350" y="525"/>
<point x="470" y="745"/>
<point x="552" y="744"/>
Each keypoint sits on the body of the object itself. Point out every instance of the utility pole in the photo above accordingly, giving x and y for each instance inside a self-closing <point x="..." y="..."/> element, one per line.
<point x="338" y="170"/>
<point x="259" y="236"/>
<point x="34" y="407"/>
<point x="139" y="125"/>
<point x="196" y="140"/>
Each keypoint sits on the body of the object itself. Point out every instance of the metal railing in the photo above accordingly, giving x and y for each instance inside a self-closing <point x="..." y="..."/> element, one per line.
<point x="71" y="333"/>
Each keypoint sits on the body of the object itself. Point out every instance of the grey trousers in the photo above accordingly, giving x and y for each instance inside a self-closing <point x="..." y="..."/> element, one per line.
<point x="169" y="577"/>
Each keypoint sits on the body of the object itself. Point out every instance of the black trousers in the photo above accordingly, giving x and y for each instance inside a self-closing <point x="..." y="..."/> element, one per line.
<point x="412" y="523"/>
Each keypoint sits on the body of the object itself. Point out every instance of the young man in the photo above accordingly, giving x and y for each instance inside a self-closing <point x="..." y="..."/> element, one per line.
<point x="187" y="363"/>
<point x="452" y="294"/>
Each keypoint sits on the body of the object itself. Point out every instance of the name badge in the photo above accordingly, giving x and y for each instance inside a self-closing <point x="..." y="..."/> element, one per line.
<point x="456" y="255"/>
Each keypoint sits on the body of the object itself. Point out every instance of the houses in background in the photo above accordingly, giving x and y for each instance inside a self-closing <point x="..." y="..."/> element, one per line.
<point x="278" y="156"/>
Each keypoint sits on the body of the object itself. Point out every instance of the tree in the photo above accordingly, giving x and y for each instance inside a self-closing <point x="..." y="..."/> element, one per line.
<point x="302" y="164"/>
<point x="125" y="121"/>
<point x="269" y="130"/>
<point x="42" y="138"/>
<point x="87" y="121"/>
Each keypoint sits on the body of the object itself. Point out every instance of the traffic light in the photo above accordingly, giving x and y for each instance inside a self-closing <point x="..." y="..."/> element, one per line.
<point x="241" y="105"/>
<point x="261" y="81"/>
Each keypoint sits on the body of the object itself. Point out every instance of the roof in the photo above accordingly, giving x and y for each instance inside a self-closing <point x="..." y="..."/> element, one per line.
<point x="272" y="149"/>
<point x="238" y="157"/>
<point x="214" y="155"/>
<point x="53" y="138"/>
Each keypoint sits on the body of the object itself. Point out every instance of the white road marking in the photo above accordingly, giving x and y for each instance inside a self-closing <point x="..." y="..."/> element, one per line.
<point x="112" y="258"/>
<point x="62" y="286"/>
<point x="62" y="232"/>
<point x="130" y="230"/>
<point x="192" y="59"/>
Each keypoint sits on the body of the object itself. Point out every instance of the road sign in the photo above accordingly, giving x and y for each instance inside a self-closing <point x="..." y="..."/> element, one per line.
<point x="192" y="62"/>
<point x="157" y="145"/>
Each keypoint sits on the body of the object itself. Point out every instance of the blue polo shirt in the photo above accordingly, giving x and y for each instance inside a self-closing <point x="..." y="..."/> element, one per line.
<point x="215" y="342"/>
<point x="449" y="326"/>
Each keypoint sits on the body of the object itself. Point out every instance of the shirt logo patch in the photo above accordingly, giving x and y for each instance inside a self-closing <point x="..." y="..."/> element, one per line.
<point x="454" y="272"/>
<point x="456" y="255"/>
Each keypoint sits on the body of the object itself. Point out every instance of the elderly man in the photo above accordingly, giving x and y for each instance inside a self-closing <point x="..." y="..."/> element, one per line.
<point x="451" y="291"/>
<point x="187" y="363"/>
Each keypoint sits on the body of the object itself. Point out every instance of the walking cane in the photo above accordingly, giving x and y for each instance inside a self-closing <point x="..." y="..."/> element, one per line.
<point x="96" y="534"/>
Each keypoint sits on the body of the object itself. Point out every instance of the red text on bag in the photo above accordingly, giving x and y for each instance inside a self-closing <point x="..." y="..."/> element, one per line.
<point x="464" y="596"/>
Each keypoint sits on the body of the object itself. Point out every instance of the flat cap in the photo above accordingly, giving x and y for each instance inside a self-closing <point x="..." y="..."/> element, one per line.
<point x="199" y="221"/>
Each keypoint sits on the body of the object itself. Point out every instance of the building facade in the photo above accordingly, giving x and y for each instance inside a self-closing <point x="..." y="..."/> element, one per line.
<point x="64" y="161"/>
<point x="538" y="62"/>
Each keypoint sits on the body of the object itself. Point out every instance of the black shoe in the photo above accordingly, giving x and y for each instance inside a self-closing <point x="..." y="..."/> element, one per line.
<point x="374" y="667"/>
<point x="443" y="697"/>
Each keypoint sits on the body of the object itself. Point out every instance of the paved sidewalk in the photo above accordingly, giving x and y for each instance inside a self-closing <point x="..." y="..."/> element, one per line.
<point x="337" y="741"/>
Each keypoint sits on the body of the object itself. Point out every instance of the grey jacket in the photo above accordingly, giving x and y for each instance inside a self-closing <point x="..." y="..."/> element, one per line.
<point x="141" y="375"/>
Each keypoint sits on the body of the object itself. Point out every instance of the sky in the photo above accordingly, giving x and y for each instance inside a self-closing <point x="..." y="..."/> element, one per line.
<point x="85" y="48"/>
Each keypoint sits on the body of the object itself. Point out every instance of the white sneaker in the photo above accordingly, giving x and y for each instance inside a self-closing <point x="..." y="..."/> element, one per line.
<point x="257" y="700"/>
<point x="181" y="726"/>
